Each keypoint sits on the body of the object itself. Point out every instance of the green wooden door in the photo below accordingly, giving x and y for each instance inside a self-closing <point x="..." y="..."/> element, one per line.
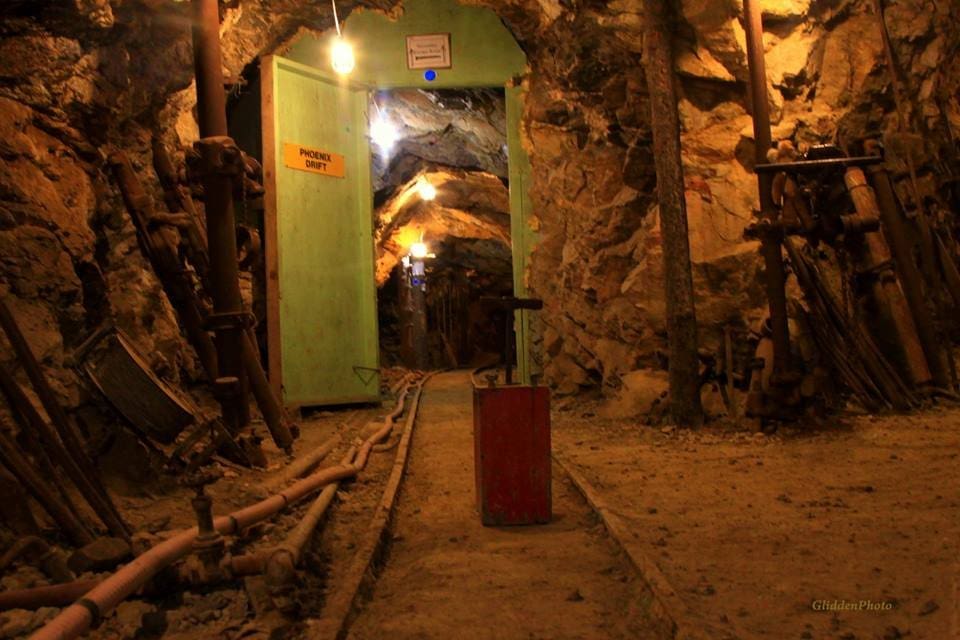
<point x="321" y="296"/>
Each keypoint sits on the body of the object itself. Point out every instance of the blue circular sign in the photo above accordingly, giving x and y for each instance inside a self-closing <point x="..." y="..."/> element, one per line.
<point x="429" y="75"/>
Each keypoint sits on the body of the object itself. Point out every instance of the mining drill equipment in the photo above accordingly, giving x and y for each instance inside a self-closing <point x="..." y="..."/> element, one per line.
<point x="811" y="189"/>
<point x="798" y="198"/>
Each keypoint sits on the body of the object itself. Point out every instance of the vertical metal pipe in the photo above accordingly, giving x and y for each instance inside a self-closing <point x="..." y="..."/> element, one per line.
<point x="770" y="237"/>
<point x="211" y="98"/>
<point x="219" y="206"/>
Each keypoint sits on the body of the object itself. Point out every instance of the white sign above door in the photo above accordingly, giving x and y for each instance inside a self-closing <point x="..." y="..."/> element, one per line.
<point x="429" y="51"/>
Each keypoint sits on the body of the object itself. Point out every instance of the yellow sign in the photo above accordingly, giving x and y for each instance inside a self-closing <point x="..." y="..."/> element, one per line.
<point x="303" y="158"/>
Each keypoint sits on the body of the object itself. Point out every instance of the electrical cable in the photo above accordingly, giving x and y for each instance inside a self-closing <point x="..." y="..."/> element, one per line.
<point x="336" y="19"/>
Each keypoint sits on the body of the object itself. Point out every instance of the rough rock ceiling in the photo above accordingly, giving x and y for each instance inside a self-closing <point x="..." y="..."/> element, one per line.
<point x="464" y="128"/>
<point x="467" y="225"/>
<point x="456" y="140"/>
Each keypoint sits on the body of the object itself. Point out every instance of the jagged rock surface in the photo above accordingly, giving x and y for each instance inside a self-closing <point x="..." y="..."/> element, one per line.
<point x="83" y="77"/>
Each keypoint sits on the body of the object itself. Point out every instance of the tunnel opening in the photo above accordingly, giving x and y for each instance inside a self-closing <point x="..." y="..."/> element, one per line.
<point x="442" y="225"/>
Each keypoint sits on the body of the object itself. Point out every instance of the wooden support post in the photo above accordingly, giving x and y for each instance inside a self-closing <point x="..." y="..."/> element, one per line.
<point x="685" y="407"/>
<point x="40" y="437"/>
<point x="23" y="471"/>
<point x="220" y="165"/>
<point x="86" y="477"/>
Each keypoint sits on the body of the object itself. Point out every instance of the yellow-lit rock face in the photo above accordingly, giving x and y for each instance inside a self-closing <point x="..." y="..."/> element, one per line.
<point x="90" y="78"/>
<point x="783" y="9"/>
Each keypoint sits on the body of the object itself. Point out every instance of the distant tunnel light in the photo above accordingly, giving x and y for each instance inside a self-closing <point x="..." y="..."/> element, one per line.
<point x="341" y="56"/>
<point x="383" y="133"/>
<point x="419" y="250"/>
<point x="426" y="190"/>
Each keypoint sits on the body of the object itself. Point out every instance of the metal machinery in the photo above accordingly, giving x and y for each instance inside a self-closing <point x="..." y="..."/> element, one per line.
<point x="511" y="430"/>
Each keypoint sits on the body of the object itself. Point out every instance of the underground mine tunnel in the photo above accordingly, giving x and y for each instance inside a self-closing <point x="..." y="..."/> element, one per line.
<point x="472" y="319"/>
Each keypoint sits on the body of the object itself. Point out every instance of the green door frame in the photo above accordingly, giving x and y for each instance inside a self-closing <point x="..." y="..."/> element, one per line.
<point x="484" y="54"/>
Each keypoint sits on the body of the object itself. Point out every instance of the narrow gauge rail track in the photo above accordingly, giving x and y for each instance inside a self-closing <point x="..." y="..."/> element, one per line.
<point x="278" y="564"/>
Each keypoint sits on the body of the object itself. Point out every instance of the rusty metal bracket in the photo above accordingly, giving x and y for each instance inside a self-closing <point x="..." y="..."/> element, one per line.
<point x="215" y="156"/>
<point x="813" y="166"/>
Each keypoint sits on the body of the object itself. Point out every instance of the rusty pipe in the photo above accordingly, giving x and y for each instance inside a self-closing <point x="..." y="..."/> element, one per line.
<point x="207" y="61"/>
<point x="84" y="474"/>
<point x="770" y="241"/>
<point x="77" y="618"/>
<point x="286" y="556"/>
<point x="899" y="235"/>
<point x="279" y="564"/>
<point x="303" y="464"/>
<point x="298" y="538"/>
<point x="219" y="206"/>
<point x="55" y="595"/>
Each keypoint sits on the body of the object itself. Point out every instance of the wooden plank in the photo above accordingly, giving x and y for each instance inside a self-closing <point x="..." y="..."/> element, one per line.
<point x="271" y="253"/>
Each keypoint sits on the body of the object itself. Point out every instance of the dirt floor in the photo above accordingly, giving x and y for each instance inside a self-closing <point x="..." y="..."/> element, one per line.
<point x="755" y="532"/>
<point x="447" y="576"/>
<point x="848" y="531"/>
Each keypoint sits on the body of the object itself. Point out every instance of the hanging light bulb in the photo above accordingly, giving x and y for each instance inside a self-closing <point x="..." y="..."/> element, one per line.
<point x="419" y="250"/>
<point x="341" y="56"/>
<point x="383" y="133"/>
<point x="426" y="189"/>
<point x="341" y="53"/>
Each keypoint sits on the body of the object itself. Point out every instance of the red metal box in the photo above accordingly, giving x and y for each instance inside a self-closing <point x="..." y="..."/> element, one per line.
<point x="511" y="437"/>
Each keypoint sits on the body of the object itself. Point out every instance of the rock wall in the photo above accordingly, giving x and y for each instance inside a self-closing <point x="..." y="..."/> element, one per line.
<point x="77" y="81"/>
<point x="598" y="266"/>
<point x="82" y="77"/>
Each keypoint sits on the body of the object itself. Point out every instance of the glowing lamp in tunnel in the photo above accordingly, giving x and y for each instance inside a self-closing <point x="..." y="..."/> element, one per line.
<point x="426" y="190"/>
<point x="341" y="56"/>
<point x="383" y="133"/>
<point x="419" y="250"/>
